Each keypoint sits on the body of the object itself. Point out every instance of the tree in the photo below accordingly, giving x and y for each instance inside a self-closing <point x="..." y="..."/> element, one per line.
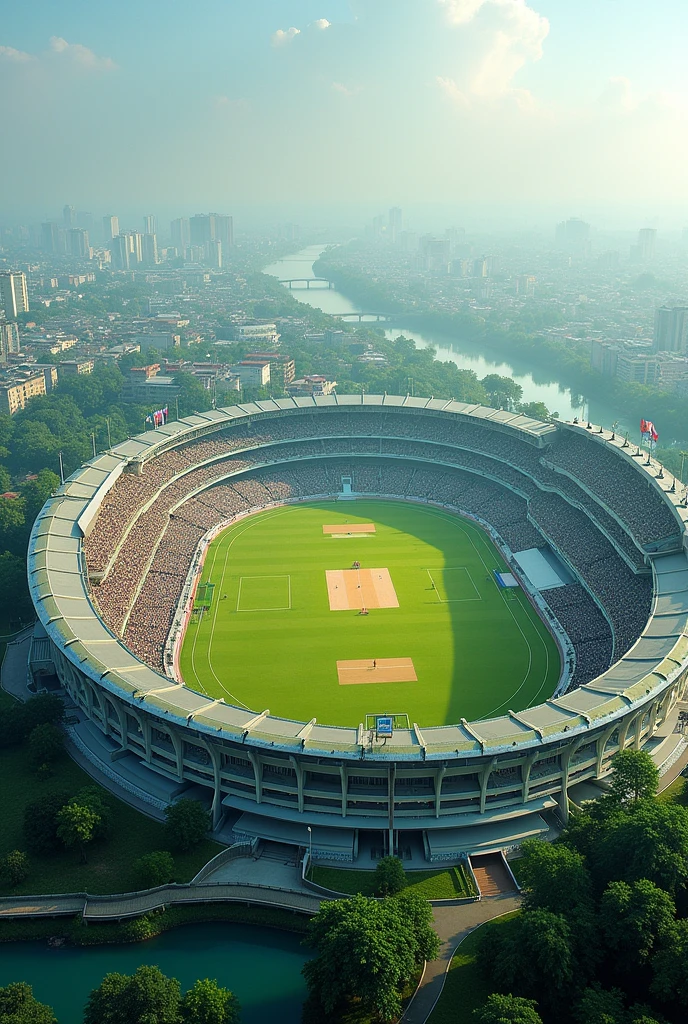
<point x="503" y="392"/>
<point x="19" y="1006"/>
<point x="155" y="868"/>
<point x="650" y="840"/>
<point x="390" y="877"/>
<point x="635" y="919"/>
<point x="635" y="776"/>
<point x="46" y="744"/>
<point x="14" y="867"/>
<point x="40" y="823"/>
<point x="523" y="954"/>
<point x="554" y="878"/>
<point x="187" y="823"/>
<point x="501" y="1009"/>
<point x="146" y="997"/>
<point x="365" y="950"/>
<point x="537" y="410"/>
<point x="14" y="597"/>
<point x="94" y="798"/>
<point x="670" y="967"/>
<point x="600" y="1006"/>
<point x="207" y="1003"/>
<point x="76" y="826"/>
<point x="46" y="707"/>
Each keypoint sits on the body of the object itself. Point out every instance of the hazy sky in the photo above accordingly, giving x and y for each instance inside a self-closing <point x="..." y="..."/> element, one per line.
<point x="211" y="103"/>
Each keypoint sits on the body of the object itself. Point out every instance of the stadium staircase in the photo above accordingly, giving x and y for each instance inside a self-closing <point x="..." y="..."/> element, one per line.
<point x="492" y="875"/>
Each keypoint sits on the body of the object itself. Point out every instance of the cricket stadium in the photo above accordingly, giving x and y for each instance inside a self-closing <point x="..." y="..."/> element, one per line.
<point x="365" y="624"/>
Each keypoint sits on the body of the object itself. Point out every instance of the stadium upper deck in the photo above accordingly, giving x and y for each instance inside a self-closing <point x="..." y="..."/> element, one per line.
<point x="126" y="497"/>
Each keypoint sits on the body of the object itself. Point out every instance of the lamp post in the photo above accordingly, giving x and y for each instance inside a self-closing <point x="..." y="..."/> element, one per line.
<point x="684" y="456"/>
<point x="310" y="847"/>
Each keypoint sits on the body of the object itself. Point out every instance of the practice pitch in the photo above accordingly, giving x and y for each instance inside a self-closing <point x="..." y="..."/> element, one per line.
<point x="360" y="588"/>
<point x="349" y="529"/>
<point x="376" y="670"/>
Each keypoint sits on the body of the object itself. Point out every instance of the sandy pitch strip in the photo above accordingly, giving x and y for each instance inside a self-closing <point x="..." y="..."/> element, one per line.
<point x="349" y="589"/>
<point x="383" y="670"/>
<point x="347" y="528"/>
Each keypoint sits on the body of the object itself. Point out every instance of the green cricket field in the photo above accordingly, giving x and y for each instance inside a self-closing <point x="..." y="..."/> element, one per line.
<point x="286" y="620"/>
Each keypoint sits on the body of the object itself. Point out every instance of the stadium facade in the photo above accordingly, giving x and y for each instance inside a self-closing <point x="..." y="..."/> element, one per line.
<point x="115" y="553"/>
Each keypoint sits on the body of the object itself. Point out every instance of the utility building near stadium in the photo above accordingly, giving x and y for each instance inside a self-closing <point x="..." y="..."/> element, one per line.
<point x="114" y="559"/>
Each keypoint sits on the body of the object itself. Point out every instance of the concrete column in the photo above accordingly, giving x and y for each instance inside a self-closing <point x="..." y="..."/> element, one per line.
<point x="258" y="774"/>
<point x="392" y="777"/>
<point x="216" y="807"/>
<point x="484" y="779"/>
<point x="439" y="775"/>
<point x="602" y="741"/>
<point x="565" y="760"/>
<point x="299" y="781"/>
<point x="526" y="767"/>
<point x="344" y="777"/>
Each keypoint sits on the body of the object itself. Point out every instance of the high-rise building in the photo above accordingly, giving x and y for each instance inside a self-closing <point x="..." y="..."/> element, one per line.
<point x="213" y="253"/>
<point x="644" y="250"/>
<point x="671" y="329"/>
<point x="573" y="235"/>
<point x="180" y="233"/>
<point x="149" y="226"/>
<point x="150" y="249"/>
<point x="50" y="237"/>
<point x="78" y="243"/>
<point x="9" y="340"/>
<point x="394" y="223"/>
<point x="68" y="216"/>
<point x="110" y="227"/>
<point x="224" y="230"/>
<point x="14" y="296"/>
<point x="135" y="243"/>
<point x="202" y="228"/>
<point x="120" y="252"/>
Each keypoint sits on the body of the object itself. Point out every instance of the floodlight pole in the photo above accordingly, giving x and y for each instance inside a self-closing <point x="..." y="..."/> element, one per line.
<point x="684" y="456"/>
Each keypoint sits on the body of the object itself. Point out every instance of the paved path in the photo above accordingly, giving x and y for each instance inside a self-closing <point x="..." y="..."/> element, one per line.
<point x="115" y="908"/>
<point x="452" y="924"/>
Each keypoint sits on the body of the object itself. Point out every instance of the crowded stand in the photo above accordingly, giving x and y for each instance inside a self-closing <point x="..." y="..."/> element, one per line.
<point x="624" y="596"/>
<point x="150" y="522"/>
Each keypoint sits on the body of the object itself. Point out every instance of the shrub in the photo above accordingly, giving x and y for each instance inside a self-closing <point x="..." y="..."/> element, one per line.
<point x="46" y="744"/>
<point x="187" y="822"/>
<point x="14" y="868"/>
<point x="155" y="868"/>
<point x="390" y="876"/>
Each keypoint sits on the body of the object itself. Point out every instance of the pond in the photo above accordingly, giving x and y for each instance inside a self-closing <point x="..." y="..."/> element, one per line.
<point x="262" y="966"/>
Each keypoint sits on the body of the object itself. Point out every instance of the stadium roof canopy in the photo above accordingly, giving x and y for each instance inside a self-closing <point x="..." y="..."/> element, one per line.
<point x="58" y="581"/>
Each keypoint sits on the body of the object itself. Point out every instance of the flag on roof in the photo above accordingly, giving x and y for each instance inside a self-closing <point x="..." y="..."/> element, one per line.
<point x="648" y="432"/>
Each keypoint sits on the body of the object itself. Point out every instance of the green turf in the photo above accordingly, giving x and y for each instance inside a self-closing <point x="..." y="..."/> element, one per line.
<point x="270" y="641"/>
<point x="443" y="884"/>
<point x="465" y="988"/>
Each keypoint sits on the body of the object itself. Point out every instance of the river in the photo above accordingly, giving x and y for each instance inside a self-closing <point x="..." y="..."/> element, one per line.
<point x="262" y="966"/>
<point x="537" y="385"/>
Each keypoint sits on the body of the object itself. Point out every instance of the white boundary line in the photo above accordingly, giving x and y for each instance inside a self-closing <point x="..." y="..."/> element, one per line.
<point x="454" y="600"/>
<point x="276" y="576"/>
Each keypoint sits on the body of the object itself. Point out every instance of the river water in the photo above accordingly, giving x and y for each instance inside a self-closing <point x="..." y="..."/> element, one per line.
<point x="537" y="385"/>
<point x="262" y="966"/>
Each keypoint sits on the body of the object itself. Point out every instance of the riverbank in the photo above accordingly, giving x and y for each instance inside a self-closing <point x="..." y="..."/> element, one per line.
<point x="568" y="364"/>
<point x="76" y="932"/>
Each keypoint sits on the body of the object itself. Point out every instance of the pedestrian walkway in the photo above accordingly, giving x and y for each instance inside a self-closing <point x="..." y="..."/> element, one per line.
<point x="127" y="905"/>
<point x="452" y="924"/>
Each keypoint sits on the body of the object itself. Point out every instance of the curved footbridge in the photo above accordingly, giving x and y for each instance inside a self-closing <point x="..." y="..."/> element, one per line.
<point x="134" y="904"/>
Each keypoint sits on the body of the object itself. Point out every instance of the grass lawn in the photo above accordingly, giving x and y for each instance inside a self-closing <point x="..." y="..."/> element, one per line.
<point x="446" y="884"/>
<point x="675" y="793"/>
<point x="109" y="867"/>
<point x="465" y="988"/>
<point x="269" y="639"/>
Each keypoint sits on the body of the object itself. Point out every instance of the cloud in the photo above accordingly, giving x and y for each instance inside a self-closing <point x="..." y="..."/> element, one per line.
<point x="513" y="35"/>
<point x="17" y="56"/>
<point x="229" y="105"/>
<point x="345" y="90"/>
<point x="452" y="91"/>
<point x="284" y="35"/>
<point x="80" y="55"/>
<point x="321" y="24"/>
